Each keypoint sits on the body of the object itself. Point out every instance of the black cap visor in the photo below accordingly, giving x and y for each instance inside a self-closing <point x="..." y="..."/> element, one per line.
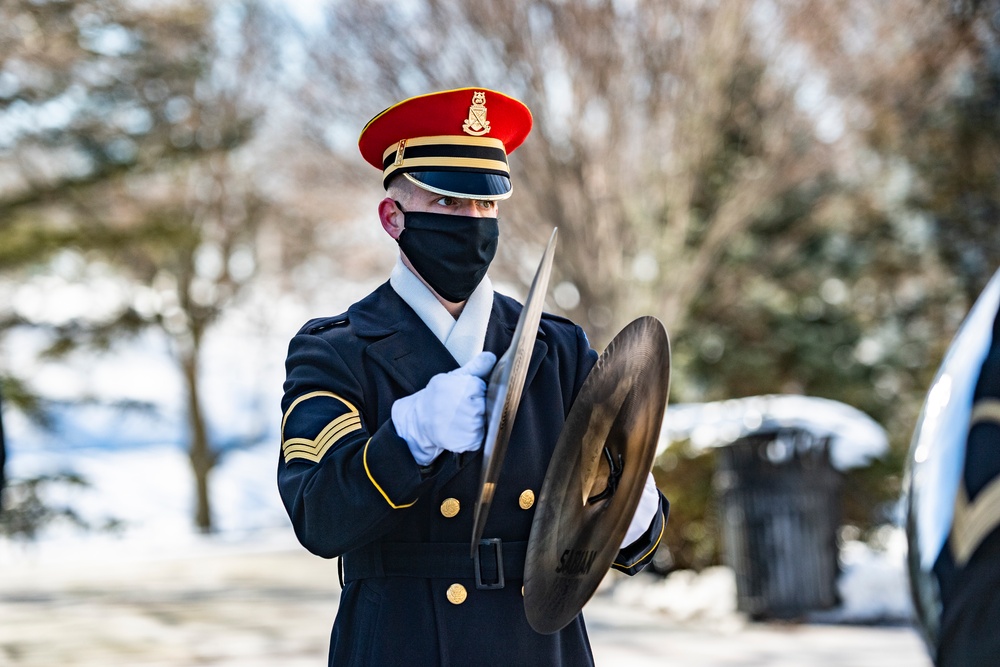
<point x="463" y="184"/>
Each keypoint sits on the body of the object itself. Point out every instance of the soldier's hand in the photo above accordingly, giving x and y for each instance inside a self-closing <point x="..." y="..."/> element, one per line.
<point x="448" y="414"/>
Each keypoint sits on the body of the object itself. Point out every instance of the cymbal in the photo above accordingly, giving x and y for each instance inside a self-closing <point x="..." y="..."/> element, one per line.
<point x="596" y="476"/>
<point x="503" y="392"/>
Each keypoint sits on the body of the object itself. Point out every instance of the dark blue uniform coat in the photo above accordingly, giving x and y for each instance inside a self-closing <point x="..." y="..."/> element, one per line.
<point x="350" y="485"/>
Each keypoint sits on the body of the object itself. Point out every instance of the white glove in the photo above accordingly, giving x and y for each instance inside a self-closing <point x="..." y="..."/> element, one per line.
<point x="649" y="505"/>
<point x="448" y="414"/>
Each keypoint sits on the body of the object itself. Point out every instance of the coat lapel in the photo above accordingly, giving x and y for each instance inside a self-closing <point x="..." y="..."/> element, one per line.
<point x="404" y="347"/>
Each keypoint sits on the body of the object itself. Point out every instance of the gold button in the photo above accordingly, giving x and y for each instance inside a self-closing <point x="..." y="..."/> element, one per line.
<point x="456" y="594"/>
<point x="450" y="507"/>
<point x="527" y="499"/>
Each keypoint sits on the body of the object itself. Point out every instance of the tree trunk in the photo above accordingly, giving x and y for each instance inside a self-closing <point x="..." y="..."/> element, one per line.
<point x="202" y="457"/>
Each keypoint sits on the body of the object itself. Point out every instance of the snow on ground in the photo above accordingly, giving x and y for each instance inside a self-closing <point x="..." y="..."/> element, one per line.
<point x="873" y="589"/>
<point x="158" y="594"/>
<point x="150" y="491"/>
<point x="232" y="608"/>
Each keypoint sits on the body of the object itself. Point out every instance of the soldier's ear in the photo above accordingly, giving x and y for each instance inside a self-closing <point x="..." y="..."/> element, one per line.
<point x="391" y="217"/>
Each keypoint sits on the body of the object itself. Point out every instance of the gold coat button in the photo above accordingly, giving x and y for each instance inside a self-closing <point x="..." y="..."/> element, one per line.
<point x="456" y="594"/>
<point x="527" y="499"/>
<point x="450" y="507"/>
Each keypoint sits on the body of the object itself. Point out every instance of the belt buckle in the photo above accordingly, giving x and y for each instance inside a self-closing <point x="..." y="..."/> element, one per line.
<point x="498" y="550"/>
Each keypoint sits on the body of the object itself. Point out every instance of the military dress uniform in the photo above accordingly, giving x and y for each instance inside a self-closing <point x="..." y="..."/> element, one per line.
<point x="357" y="492"/>
<point x="953" y="496"/>
<point x="969" y="565"/>
<point x="412" y="595"/>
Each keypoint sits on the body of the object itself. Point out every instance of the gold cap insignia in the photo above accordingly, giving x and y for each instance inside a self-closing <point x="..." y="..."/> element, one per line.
<point x="476" y="124"/>
<point x="400" y="149"/>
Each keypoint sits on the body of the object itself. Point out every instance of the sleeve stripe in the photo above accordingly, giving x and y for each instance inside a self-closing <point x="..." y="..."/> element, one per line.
<point x="372" y="479"/>
<point x="973" y="521"/>
<point x="332" y="430"/>
<point x="641" y="558"/>
<point x="313" y="394"/>
<point x="314" y="449"/>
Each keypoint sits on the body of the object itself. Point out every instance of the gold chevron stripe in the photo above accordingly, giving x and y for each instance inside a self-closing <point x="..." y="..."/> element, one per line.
<point x="985" y="410"/>
<point x="368" y="471"/>
<point x="314" y="449"/>
<point x="333" y="432"/>
<point x="974" y="521"/>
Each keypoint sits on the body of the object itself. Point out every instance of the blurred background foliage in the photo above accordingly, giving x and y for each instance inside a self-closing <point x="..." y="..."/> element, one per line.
<point x="804" y="192"/>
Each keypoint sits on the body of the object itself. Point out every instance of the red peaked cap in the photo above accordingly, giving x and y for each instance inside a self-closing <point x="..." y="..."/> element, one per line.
<point x="453" y="142"/>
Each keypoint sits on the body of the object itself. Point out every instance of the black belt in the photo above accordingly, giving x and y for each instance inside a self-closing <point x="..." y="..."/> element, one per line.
<point x="493" y="563"/>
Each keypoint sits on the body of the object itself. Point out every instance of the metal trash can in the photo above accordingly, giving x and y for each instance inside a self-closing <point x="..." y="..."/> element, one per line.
<point x="779" y="500"/>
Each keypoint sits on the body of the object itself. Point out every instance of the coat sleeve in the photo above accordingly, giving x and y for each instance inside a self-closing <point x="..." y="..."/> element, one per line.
<point x="634" y="557"/>
<point x="342" y="483"/>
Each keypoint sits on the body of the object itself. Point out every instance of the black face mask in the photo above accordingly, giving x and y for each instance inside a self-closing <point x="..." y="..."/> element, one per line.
<point x="450" y="252"/>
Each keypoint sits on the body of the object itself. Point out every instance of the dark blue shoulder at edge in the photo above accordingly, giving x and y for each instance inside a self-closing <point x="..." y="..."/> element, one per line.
<point x="514" y="307"/>
<point x="319" y="324"/>
<point x="557" y="318"/>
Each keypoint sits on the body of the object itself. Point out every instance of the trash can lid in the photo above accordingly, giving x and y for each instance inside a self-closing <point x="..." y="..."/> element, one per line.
<point x="855" y="438"/>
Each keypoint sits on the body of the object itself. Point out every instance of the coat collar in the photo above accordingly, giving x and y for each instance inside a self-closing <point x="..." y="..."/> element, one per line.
<point x="411" y="354"/>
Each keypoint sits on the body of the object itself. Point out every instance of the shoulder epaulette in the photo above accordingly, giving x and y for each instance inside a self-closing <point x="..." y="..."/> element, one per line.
<point x="323" y="323"/>
<point x="557" y="318"/>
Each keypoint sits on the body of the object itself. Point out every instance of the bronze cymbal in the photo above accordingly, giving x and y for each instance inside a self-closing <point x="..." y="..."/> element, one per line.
<point x="503" y="392"/>
<point x="596" y="475"/>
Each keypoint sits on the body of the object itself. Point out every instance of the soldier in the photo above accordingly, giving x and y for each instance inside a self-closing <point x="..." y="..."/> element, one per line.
<point x="383" y="412"/>
<point x="953" y="504"/>
<point x="968" y="568"/>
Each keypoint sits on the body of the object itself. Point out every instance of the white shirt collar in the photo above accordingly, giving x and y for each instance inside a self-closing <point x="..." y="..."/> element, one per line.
<point x="463" y="338"/>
